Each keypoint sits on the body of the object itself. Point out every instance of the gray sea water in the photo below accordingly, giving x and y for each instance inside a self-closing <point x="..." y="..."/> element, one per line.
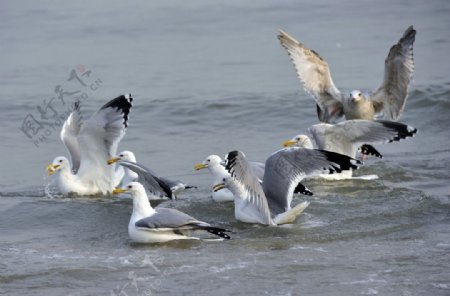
<point x="209" y="77"/>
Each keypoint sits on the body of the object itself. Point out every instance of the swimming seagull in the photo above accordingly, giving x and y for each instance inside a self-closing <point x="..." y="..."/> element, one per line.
<point x="389" y="98"/>
<point x="149" y="225"/>
<point x="90" y="144"/>
<point x="344" y="138"/>
<point x="216" y="167"/>
<point x="134" y="171"/>
<point x="269" y="202"/>
<point x="214" y="164"/>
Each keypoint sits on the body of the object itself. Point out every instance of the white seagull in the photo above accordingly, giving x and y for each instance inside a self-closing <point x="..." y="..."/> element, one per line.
<point x="269" y="202"/>
<point x="346" y="136"/>
<point x="149" y="225"/>
<point x="389" y="99"/>
<point x="134" y="171"/>
<point x="214" y="164"/>
<point x="90" y="144"/>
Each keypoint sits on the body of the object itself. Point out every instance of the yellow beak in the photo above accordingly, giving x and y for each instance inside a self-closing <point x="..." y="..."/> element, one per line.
<point x="113" y="160"/>
<point x="119" y="190"/>
<point x="289" y="143"/>
<point x="200" y="166"/>
<point x="51" y="168"/>
<point x="218" y="187"/>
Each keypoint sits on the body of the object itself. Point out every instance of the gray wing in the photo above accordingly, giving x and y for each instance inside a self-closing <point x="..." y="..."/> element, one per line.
<point x="98" y="139"/>
<point x="241" y="170"/>
<point x="390" y="97"/>
<point x="148" y="179"/>
<point x="287" y="167"/>
<point x="314" y="72"/>
<point x="346" y="136"/>
<point x="69" y="134"/>
<point x="168" y="218"/>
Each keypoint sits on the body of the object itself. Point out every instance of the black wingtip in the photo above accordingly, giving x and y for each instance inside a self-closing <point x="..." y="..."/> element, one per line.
<point x="302" y="189"/>
<point x="403" y="131"/>
<point x="369" y="150"/>
<point x="343" y="162"/>
<point x="231" y="160"/>
<point x="219" y="232"/>
<point x="122" y="103"/>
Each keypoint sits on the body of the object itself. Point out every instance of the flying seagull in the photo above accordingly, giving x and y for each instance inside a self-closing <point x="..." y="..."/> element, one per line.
<point x="388" y="99"/>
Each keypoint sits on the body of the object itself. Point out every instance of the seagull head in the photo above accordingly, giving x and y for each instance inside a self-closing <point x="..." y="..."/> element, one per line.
<point x="226" y="182"/>
<point x="133" y="188"/>
<point x="124" y="155"/>
<point x="356" y="96"/>
<point x="58" y="163"/>
<point x="209" y="161"/>
<point x="301" y="141"/>
<point x="223" y="184"/>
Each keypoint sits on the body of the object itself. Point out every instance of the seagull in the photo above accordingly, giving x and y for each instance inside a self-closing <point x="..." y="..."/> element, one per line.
<point x="389" y="99"/>
<point x="269" y="202"/>
<point x="214" y="164"/>
<point x="216" y="167"/>
<point x="149" y="225"/>
<point x="90" y="144"/>
<point x="344" y="138"/>
<point x="134" y="171"/>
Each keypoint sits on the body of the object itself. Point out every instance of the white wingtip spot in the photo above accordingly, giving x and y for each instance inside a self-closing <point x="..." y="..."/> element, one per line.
<point x="127" y="96"/>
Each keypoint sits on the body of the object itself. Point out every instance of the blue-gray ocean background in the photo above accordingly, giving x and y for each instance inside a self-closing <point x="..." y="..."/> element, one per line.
<point x="209" y="77"/>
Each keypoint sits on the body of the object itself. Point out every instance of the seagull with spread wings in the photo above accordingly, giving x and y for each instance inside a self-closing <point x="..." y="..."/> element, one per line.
<point x="344" y="138"/>
<point x="388" y="99"/>
<point x="90" y="144"/>
<point x="269" y="202"/>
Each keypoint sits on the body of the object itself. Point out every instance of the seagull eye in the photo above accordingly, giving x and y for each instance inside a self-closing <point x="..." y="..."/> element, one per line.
<point x="359" y="94"/>
<point x="208" y="160"/>
<point x="224" y="179"/>
<point x="121" y="155"/>
<point x="60" y="160"/>
<point x="129" y="186"/>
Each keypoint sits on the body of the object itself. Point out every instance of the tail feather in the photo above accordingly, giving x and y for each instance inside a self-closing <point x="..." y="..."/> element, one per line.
<point x="291" y="215"/>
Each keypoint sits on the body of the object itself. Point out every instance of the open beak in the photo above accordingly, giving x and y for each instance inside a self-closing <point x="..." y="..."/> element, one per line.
<point x="119" y="190"/>
<point x="289" y="143"/>
<point x="113" y="160"/>
<point x="200" y="166"/>
<point x="218" y="187"/>
<point x="51" y="168"/>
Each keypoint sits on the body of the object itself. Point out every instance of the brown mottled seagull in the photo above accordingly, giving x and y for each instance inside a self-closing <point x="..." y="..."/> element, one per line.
<point x="388" y="100"/>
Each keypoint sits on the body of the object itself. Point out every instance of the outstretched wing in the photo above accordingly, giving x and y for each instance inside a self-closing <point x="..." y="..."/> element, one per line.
<point x="345" y="136"/>
<point x="287" y="167"/>
<point x="390" y="97"/>
<point x="69" y="134"/>
<point x="149" y="179"/>
<point x="243" y="172"/>
<point x="313" y="71"/>
<point x="98" y="140"/>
